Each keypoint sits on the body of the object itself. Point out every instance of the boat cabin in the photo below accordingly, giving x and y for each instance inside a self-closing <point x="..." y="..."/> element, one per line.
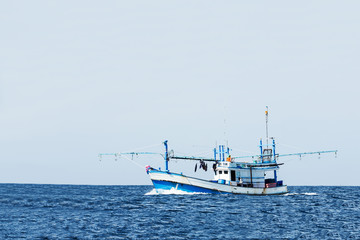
<point x="260" y="173"/>
<point x="244" y="174"/>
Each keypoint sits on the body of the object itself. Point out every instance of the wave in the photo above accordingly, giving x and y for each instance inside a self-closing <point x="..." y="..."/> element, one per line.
<point x="306" y="193"/>
<point x="310" y="193"/>
<point x="172" y="191"/>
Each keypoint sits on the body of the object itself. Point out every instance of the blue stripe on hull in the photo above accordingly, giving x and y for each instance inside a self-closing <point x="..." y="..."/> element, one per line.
<point x="165" y="185"/>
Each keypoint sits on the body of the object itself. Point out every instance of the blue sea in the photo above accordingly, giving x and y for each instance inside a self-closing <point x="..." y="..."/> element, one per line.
<point x="31" y="211"/>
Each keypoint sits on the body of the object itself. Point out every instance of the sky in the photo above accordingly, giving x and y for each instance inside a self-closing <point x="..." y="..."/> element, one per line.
<point x="79" y="78"/>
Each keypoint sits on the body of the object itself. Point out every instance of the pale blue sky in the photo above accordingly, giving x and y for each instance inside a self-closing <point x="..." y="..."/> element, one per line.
<point x="82" y="77"/>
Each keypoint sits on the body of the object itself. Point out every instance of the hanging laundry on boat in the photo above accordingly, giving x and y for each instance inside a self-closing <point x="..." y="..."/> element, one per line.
<point x="203" y="165"/>
<point x="214" y="166"/>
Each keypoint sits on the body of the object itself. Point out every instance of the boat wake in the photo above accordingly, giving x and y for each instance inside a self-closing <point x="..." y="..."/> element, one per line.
<point x="307" y="194"/>
<point x="172" y="191"/>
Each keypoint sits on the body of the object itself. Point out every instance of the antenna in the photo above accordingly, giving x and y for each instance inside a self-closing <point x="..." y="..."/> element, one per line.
<point x="225" y="129"/>
<point x="225" y="137"/>
<point x="267" y="130"/>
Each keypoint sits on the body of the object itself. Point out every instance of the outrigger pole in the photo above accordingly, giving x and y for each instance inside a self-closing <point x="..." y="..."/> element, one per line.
<point x="116" y="155"/>
<point x="193" y="158"/>
<point x="126" y="153"/>
<point x="256" y="156"/>
<point x="166" y="157"/>
<point x="289" y="154"/>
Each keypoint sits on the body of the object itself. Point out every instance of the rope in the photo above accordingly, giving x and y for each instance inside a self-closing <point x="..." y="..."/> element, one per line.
<point x="137" y="164"/>
<point x="241" y="150"/>
<point x="154" y="145"/>
<point x="290" y="146"/>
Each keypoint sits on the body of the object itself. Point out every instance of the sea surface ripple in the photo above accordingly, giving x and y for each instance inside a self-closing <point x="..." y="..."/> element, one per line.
<point x="31" y="211"/>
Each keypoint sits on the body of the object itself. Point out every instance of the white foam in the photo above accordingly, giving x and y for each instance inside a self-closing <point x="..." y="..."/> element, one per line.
<point x="290" y="194"/>
<point x="171" y="191"/>
<point x="310" y="193"/>
<point x="152" y="192"/>
<point x="307" y="194"/>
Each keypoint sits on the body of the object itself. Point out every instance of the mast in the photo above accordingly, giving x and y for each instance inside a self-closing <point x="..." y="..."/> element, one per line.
<point x="166" y="156"/>
<point x="261" y="150"/>
<point x="274" y="155"/>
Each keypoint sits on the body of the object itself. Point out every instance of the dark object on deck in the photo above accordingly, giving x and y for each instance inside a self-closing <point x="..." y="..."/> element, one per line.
<point x="270" y="180"/>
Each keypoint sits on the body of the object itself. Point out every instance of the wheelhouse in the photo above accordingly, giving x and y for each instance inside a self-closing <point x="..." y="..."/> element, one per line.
<point x="260" y="173"/>
<point x="244" y="174"/>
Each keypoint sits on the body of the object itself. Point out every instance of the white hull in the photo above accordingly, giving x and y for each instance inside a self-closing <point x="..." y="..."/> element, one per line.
<point x="167" y="180"/>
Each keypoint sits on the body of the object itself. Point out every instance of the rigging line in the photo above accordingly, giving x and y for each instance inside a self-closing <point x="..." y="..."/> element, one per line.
<point x="201" y="153"/>
<point x="193" y="156"/>
<point x="203" y="146"/>
<point x="181" y="153"/>
<point x="137" y="164"/>
<point x="290" y="146"/>
<point x="241" y="150"/>
<point x="193" y="153"/>
<point x="154" y="145"/>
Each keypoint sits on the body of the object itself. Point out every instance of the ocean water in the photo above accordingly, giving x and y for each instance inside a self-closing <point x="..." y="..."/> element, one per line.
<point x="29" y="211"/>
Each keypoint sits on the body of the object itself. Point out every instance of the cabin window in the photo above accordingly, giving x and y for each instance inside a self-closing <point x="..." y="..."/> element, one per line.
<point x="220" y="172"/>
<point x="226" y="172"/>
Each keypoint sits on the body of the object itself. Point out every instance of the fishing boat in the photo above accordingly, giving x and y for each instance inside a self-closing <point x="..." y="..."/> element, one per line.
<point x="256" y="176"/>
